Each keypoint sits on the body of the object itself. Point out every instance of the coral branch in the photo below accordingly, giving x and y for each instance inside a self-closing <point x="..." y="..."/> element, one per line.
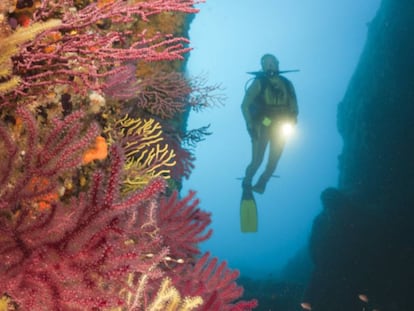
<point x="9" y="46"/>
<point x="163" y="95"/>
<point x="43" y="157"/>
<point x="87" y="219"/>
<point x="64" y="256"/>
<point x="215" y="283"/>
<point x="147" y="156"/>
<point x="78" y="55"/>
<point x="183" y="225"/>
<point x="203" y="95"/>
<point x="122" y="84"/>
<point x="168" y="298"/>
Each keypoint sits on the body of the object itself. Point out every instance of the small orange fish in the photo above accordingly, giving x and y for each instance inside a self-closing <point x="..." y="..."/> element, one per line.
<point x="306" y="306"/>
<point x="363" y="298"/>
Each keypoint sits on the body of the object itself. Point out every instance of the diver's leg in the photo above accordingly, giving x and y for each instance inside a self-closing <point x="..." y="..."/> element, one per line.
<point x="258" y="149"/>
<point x="275" y="151"/>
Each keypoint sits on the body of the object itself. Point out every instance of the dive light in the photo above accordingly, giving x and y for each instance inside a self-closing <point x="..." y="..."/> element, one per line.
<point x="287" y="129"/>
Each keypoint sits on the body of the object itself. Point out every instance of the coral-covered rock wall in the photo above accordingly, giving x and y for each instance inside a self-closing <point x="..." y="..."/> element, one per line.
<point x="93" y="145"/>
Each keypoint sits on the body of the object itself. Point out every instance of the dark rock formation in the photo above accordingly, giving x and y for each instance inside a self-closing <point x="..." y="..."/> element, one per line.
<point x="367" y="245"/>
<point x="375" y="117"/>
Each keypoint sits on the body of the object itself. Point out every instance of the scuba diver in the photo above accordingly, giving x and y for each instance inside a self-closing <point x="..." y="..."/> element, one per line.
<point x="269" y="104"/>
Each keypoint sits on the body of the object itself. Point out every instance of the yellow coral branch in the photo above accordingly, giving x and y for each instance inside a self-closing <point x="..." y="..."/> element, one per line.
<point x="5" y="303"/>
<point x="169" y="299"/>
<point x="151" y="163"/>
<point x="150" y="131"/>
<point x="9" y="46"/>
<point x="6" y="64"/>
<point x="9" y="85"/>
<point x="146" y="156"/>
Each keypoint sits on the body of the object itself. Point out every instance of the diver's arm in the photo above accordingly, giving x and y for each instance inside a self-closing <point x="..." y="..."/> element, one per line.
<point x="249" y="97"/>
<point x="293" y="103"/>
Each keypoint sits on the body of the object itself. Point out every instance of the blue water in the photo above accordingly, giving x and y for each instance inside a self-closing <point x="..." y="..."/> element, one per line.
<point x="324" y="40"/>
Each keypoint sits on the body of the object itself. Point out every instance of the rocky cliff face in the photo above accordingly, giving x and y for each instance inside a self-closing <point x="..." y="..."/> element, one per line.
<point x="371" y="214"/>
<point x="375" y="117"/>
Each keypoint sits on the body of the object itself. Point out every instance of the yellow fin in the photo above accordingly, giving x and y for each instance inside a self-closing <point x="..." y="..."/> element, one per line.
<point x="248" y="216"/>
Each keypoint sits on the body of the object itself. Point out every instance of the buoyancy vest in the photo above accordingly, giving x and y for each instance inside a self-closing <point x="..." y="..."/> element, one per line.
<point x="275" y="98"/>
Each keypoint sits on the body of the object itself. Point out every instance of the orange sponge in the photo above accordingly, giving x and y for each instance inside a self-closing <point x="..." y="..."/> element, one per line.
<point x="98" y="152"/>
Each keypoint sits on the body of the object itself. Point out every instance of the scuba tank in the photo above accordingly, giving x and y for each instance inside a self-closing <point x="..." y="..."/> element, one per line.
<point x="256" y="111"/>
